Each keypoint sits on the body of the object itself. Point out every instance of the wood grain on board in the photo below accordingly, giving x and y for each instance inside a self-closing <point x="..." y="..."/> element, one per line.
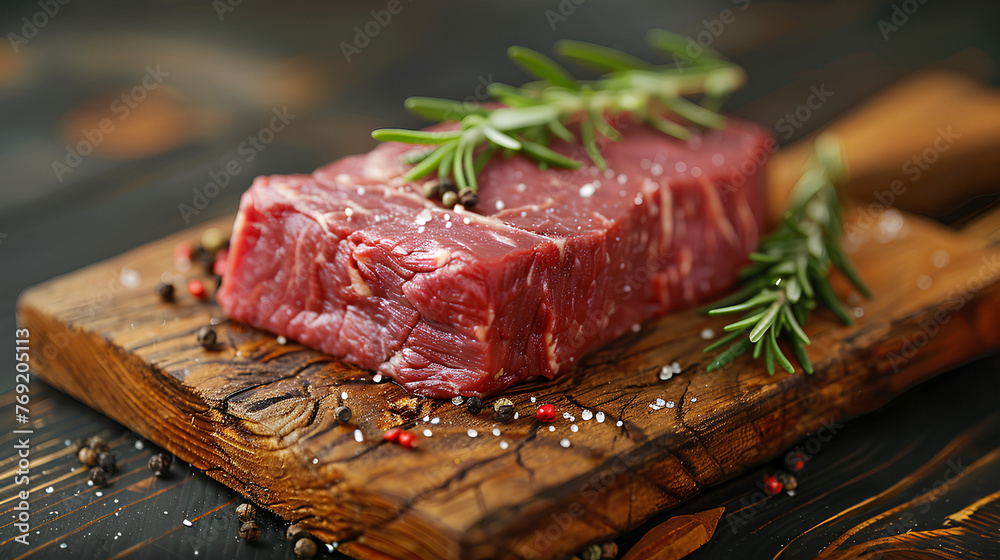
<point x="258" y="415"/>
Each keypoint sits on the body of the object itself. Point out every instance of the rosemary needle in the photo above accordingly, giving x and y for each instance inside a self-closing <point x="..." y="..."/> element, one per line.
<point x="528" y="117"/>
<point x="788" y="273"/>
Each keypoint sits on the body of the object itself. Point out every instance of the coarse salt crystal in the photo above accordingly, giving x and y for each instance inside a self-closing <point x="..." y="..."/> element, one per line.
<point x="423" y="217"/>
<point x="599" y="417"/>
<point x="707" y="334"/>
<point x="670" y="404"/>
<point x="499" y="205"/>
<point x="552" y="428"/>
<point x="496" y="432"/>
<point x="187" y="523"/>
<point x="435" y="420"/>
<point x="428" y="433"/>
<point x="586" y="415"/>
<point x="574" y="428"/>
<point x="457" y="400"/>
<point x="504" y="445"/>
<point x="359" y="436"/>
<point x="472" y="433"/>
<point x="521" y="187"/>
<point x="666" y="372"/>
<point x="564" y="442"/>
<point x="586" y="191"/>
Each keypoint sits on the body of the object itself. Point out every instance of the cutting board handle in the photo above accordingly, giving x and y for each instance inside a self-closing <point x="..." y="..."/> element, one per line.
<point x="924" y="145"/>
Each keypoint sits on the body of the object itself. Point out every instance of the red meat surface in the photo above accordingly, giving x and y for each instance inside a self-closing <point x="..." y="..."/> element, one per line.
<point x="548" y="266"/>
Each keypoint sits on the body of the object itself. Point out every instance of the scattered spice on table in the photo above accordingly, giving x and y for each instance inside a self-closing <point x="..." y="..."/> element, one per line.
<point x="546" y="413"/>
<point x="207" y="337"/>
<point x="197" y="288"/>
<point x="159" y="464"/>
<point x="165" y="291"/>
<point x="343" y="413"/>
<point x="503" y="410"/>
<point x="249" y="531"/>
<point x="246" y="512"/>
<point x="106" y="462"/>
<point x="772" y="485"/>
<point x="408" y="439"/>
<point x="98" y="477"/>
<point x="296" y="532"/>
<point x="475" y="405"/>
<point x="305" y="548"/>
<point x="87" y="456"/>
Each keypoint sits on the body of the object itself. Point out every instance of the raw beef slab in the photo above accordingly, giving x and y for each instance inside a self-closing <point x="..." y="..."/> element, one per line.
<point x="548" y="266"/>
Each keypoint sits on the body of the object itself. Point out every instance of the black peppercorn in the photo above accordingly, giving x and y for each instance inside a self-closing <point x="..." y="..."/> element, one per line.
<point x="246" y="513"/>
<point x="296" y="532"/>
<point x="206" y="258"/>
<point x="432" y="189"/>
<point x="98" y="444"/>
<point x="343" y="413"/>
<point x="87" y="456"/>
<point x="159" y="464"/>
<point x="469" y="198"/>
<point x="165" y="291"/>
<point x="305" y="548"/>
<point x="106" y="462"/>
<point x="249" y="531"/>
<point x="503" y="410"/>
<point x="475" y="405"/>
<point x="98" y="477"/>
<point x="504" y="413"/>
<point x="448" y="185"/>
<point x="207" y="337"/>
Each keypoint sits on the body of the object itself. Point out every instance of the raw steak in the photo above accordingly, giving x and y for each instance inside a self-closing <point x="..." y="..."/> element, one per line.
<point x="550" y="265"/>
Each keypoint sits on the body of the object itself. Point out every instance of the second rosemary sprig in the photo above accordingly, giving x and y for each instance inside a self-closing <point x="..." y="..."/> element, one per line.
<point x="531" y="115"/>
<point x="788" y="273"/>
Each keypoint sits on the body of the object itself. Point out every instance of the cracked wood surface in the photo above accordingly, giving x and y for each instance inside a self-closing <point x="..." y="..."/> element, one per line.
<point x="258" y="415"/>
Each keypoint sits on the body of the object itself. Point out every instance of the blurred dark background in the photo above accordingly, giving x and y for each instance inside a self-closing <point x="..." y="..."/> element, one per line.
<point x="220" y="69"/>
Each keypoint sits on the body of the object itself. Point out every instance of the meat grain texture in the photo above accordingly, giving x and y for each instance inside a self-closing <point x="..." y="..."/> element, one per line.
<point x="548" y="266"/>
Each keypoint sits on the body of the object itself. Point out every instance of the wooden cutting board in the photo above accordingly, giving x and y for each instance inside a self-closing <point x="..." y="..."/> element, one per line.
<point x="258" y="415"/>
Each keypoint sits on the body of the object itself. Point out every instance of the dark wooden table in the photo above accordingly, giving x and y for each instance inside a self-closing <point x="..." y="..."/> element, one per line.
<point x="228" y="72"/>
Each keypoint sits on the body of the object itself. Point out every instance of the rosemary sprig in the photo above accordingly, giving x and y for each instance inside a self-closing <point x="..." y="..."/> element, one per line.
<point x="531" y="115"/>
<point x="788" y="273"/>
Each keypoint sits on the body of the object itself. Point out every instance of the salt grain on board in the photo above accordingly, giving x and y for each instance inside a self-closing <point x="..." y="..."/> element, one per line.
<point x="564" y="442"/>
<point x="472" y="433"/>
<point x="586" y="415"/>
<point x="600" y="417"/>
